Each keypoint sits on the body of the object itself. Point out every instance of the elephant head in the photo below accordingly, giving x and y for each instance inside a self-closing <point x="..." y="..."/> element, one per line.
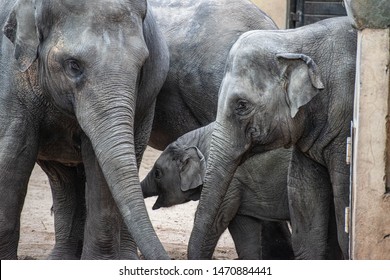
<point x="261" y="107"/>
<point x="176" y="177"/>
<point x="93" y="59"/>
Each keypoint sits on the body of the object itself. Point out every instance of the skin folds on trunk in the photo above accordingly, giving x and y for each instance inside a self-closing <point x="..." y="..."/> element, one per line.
<point x="148" y="186"/>
<point x="200" y="243"/>
<point x="112" y="139"/>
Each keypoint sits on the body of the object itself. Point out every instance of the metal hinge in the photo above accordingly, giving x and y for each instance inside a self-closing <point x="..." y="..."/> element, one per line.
<point x="349" y="150"/>
<point x="347" y="219"/>
<point x="296" y="16"/>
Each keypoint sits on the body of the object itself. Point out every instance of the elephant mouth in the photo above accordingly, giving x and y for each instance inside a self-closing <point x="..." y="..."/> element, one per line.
<point x="190" y="195"/>
<point x="194" y="195"/>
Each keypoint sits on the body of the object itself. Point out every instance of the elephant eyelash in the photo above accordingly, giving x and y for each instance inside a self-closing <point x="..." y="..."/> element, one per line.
<point x="242" y="107"/>
<point x="73" y="68"/>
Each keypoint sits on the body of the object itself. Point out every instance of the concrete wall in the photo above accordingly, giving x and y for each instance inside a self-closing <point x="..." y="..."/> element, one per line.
<point x="370" y="236"/>
<point x="276" y="9"/>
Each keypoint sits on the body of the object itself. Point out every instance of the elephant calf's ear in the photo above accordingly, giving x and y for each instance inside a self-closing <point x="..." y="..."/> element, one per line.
<point x="193" y="169"/>
<point x="21" y="30"/>
<point x="304" y="79"/>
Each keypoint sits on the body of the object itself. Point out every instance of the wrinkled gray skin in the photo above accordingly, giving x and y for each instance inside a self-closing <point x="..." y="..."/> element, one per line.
<point x="280" y="89"/>
<point x="199" y="35"/>
<point x="257" y="192"/>
<point x="78" y="85"/>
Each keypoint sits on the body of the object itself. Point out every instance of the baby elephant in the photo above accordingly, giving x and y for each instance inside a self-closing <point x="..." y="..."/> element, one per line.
<point x="255" y="208"/>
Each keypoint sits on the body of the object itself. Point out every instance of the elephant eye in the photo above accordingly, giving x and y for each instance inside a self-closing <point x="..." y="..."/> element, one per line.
<point x="157" y="174"/>
<point x="242" y="107"/>
<point x="73" y="68"/>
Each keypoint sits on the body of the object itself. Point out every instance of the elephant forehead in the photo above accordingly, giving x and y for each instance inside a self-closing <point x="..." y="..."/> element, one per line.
<point x="169" y="158"/>
<point x="164" y="161"/>
<point x="234" y="84"/>
<point x="252" y="67"/>
<point x="94" y="13"/>
<point x="250" y="84"/>
<point x="256" y="50"/>
<point x="109" y="7"/>
<point x="72" y="5"/>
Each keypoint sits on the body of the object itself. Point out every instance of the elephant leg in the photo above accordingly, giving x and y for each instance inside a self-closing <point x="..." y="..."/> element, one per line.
<point x="334" y="250"/>
<point x="103" y="220"/>
<point x="258" y="239"/>
<point x="68" y="191"/>
<point x="247" y="235"/>
<point x="225" y="215"/>
<point x="309" y="192"/>
<point x="18" y="153"/>
<point x="276" y="241"/>
<point x="339" y="175"/>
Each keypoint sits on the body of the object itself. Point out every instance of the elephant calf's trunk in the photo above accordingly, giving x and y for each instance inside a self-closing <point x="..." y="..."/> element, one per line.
<point x="148" y="185"/>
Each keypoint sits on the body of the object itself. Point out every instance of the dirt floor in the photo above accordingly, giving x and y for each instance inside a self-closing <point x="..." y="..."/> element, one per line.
<point x="173" y="225"/>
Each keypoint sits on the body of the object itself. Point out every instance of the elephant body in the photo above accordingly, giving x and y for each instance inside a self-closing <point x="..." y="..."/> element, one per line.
<point x="287" y="88"/>
<point x="255" y="207"/>
<point x="78" y="85"/>
<point x="199" y="35"/>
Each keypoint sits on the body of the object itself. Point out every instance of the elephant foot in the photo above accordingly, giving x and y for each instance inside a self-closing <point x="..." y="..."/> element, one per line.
<point x="66" y="252"/>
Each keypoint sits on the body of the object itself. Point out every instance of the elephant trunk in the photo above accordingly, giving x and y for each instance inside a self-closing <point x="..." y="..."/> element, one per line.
<point x="221" y="166"/>
<point x="109" y="125"/>
<point x="148" y="185"/>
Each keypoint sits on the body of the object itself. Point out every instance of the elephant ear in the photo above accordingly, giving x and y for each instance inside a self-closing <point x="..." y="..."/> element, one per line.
<point x="193" y="169"/>
<point x="20" y="28"/>
<point x="303" y="79"/>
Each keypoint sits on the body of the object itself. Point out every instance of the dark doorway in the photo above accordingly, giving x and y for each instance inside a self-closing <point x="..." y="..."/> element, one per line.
<point x="303" y="12"/>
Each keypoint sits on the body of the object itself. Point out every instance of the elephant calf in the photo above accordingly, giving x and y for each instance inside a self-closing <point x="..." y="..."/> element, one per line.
<point x="257" y="194"/>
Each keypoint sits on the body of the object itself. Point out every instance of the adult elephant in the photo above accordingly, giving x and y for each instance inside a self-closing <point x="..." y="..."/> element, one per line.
<point x="287" y="88"/>
<point x="78" y="85"/>
<point x="199" y="35"/>
<point x="255" y="207"/>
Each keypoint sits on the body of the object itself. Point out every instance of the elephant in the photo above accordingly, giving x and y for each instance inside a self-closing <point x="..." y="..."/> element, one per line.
<point x="255" y="208"/>
<point x="287" y="88"/>
<point x="199" y="34"/>
<point x="78" y="87"/>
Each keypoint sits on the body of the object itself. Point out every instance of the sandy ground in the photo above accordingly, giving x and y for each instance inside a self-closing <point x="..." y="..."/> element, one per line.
<point x="173" y="225"/>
